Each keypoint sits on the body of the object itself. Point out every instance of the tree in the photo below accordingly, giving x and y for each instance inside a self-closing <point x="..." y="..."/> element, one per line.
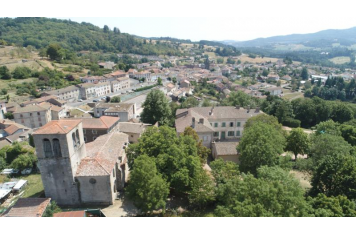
<point x="327" y="145"/>
<point x="106" y="29"/>
<point x="147" y="188"/>
<point x="328" y="127"/>
<point x="297" y="142"/>
<point x="206" y="103"/>
<point x="265" y="72"/>
<point x="108" y="99"/>
<point x="115" y="99"/>
<point x="223" y="171"/>
<point x="156" y="108"/>
<point x="266" y="119"/>
<point x="9" y="115"/>
<point x="190" y="102"/>
<point x="54" y="52"/>
<point x="174" y="80"/>
<point x="274" y="193"/>
<point x="203" y="190"/>
<point x="4" y="73"/>
<point x="335" y="175"/>
<point x="24" y="161"/>
<point x="51" y="209"/>
<point x="203" y="151"/>
<point x="305" y="74"/>
<point x="159" y="81"/>
<point x="117" y="31"/>
<point x="21" y="72"/>
<point x="260" y="145"/>
<point x="339" y="206"/>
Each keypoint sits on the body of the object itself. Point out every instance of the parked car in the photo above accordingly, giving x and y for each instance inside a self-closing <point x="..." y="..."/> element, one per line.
<point x="95" y="100"/>
<point x="26" y="171"/>
<point x="80" y="100"/>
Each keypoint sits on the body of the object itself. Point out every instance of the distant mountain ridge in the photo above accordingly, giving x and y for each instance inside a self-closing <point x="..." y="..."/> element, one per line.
<point x="345" y="37"/>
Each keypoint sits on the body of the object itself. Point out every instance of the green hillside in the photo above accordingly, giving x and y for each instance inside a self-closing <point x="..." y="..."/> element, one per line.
<point x="40" y="32"/>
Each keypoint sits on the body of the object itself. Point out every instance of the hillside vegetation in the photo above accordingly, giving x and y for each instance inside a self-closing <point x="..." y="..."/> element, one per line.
<point x="40" y="32"/>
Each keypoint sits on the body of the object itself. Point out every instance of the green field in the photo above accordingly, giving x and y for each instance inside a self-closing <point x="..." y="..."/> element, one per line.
<point x="34" y="186"/>
<point x="291" y="47"/>
<point x="340" y="60"/>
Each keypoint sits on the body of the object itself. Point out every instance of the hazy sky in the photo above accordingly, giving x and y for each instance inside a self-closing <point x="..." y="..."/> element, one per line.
<point x="218" y="28"/>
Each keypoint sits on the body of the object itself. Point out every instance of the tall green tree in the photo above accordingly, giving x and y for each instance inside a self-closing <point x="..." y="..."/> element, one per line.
<point x="339" y="206"/>
<point x="305" y="74"/>
<point x="156" y="108"/>
<point x="297" y="142"/>
<point x="54" y="51"/>
<point x="147" y="188"/>
<point x="260" y="145"/>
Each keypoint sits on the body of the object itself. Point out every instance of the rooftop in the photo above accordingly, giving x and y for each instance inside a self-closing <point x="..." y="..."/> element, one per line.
<point x="104" y="122"/>
<point x="31" y="108"/>
<point x="129" y="127"/>
<point x="28" y="207"/>
<point x="226" y="148"/>
<point x="115" y="106"/>
<point x="102" y="154"/>
<point x="58" y="127"/>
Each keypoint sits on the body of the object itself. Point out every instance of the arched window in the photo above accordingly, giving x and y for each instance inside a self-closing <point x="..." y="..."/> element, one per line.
<point x="74" y="142"/>
<point x="56" y="148"/>
<point x="77" y="138"/>
<point x="47" y="148"/>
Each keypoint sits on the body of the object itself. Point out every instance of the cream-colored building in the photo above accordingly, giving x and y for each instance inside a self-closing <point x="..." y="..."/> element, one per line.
<point x="33" y="116"/>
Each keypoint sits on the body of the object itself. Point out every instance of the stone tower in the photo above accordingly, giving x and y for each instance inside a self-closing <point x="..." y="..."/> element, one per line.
<point x="60" y="147"/>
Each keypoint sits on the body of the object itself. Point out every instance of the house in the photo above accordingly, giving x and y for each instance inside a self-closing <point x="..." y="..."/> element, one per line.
<point x="69" y="94"/>
<point x="185" y="84"/>
<point x="146" y="75"/>
<point x="171" y="88"/>
<point x="76" y="174"/>
<point x="120" y="84"/>
<point x="94" y="79"/>
<point x="133" y="130"/>
<point x="33" y="116"/>
<point x="2" y="109"/>
<point x="226" y="151"/>
<point x="117" y="74"/>
<point x="274" y="91"/>
<point x="125" y="111"/>
<point x="28" y="207"/>
<point x="131" y="72"/>
<point x="50" y="99"/>
<point x="214" y="123"/>
<point x="287" y="78"/>
<point x="95" y="127"/>
<point x="107" y="65"/>
<point x="273" y="76"/>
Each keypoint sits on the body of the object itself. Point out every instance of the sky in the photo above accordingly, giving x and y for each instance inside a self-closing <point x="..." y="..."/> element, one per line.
<point x="217" y="28"/>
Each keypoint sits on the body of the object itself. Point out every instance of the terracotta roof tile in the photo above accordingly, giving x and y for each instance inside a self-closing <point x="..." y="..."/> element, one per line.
<point x="58" y="127"/>
<point x="29" y="207"/>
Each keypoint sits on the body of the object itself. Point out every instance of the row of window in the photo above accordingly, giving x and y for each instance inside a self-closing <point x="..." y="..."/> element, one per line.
<point x="223" y="124"/>
<point x="229" y="134"/>
<point x="30" y="114"/>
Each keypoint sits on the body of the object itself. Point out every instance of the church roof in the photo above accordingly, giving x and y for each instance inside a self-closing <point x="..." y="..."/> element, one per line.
<point x="58" y="127"/>
<point x="102" y="154"/>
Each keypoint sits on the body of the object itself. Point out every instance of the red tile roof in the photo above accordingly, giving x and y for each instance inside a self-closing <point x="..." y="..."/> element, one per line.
<point x="12" y="129"/>
<point x="28" y="207"/>
<point x="58" y="127"/>
<point x="70" y="214"/>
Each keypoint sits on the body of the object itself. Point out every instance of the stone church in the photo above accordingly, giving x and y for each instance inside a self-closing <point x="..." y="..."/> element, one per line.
<point x="74" y="173"/>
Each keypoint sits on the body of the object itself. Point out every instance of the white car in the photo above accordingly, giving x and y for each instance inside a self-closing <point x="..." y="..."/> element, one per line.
<point x="26" y="171"/>
<point x="9" y="171"/>
<point x="80" y="100"/>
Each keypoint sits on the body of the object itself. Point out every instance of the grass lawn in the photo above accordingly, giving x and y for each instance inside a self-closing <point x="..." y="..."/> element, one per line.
<point x="292" y="96"/>
<point x="340" y="60"/>
<point x="34" y="186"/>
<point x="303" y="178"/>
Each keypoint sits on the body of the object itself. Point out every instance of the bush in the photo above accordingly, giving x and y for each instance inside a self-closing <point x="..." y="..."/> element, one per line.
<point x="9" y="115"/>
<point x="21" y="72"/>
<point x="290" y="122"/>
<point x="145" y="88"/>
<point x="115" y="99"/>
<point x="304" y="165"/>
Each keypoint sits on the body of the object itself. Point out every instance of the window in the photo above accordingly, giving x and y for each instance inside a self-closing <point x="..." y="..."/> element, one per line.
<point x="39" y="118"/>
<point x="223" y="124"/>
<point x="205" y="138"/>
<point x="38" y="113"/>
<point x="47" y="147"/>
<point x="231" y="124"/>
<point x="230" y="133"/>
<point x="216" y="125"/>
<point x="77" y="137"/>
<point x="238" y="134"/>
<point x="40" y="124"/>
<point x="94" y="131"/>
<point x="216" y="134"/>
<point x="238" y="124"/>
<point x="30" y="114"/>
<point x="84" y="131"/>
<point x="74" y="142"/>
<point x="92" y="181"/>
<point x="56" y="148"/>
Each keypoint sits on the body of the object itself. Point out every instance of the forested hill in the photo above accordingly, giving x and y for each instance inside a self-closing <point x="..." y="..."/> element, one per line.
<point x="40" y="32"/>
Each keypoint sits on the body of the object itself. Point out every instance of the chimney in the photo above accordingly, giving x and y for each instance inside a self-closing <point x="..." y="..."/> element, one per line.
<point x="193" y="122"/>
<point x="201" y="120"/>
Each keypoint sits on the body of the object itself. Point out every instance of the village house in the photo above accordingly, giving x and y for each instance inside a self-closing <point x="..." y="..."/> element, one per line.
<point x="89" y="90"/>
<point x="120" y="84"/>
<point x="132" y="72"/>
<point x="133" y="130"/>
<point x="184" y="84"/>
<point x="125" y="111"/>
<point x="273" y="76"/>
<point x="95" y="127"/>
<point x="276" y="91"/>
<point x="143" y="75"/>
<point x="69" y="94"/>
<point x="76" y="174"/>
<point x="107" y="65"/>
<point x="33" y="116"/>
<point x="94" y="79"/>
